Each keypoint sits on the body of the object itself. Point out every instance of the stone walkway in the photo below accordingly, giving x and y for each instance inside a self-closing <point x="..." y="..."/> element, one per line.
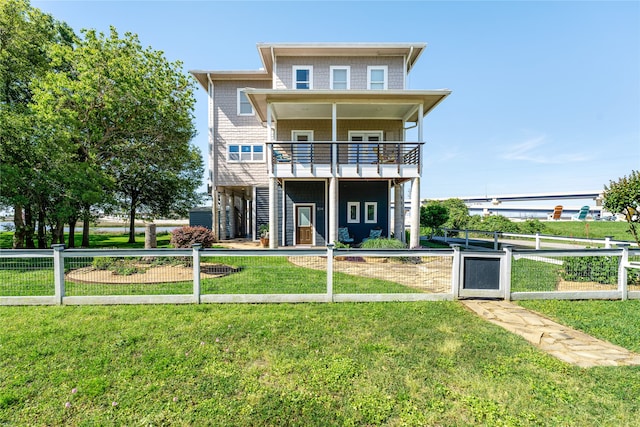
<point x="560" y="341"/>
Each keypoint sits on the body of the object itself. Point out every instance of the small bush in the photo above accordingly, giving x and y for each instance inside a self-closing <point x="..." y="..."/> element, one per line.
<point x="340" y="245"/>
<point x="383" y="243"/>
<point x="185" y="237"/>
<point x="103" y="263"/>
<point x="591" y="269"/>
<point x="119" y="266"/>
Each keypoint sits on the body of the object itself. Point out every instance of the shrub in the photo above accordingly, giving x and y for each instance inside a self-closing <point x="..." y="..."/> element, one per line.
<point x="591" y="269"/>
<point x="531" y="226"/>
<point x="383" y="243"/>
<point x="103" y="263"/>
<point x="119" y="266"/>
<point x="340" y="245"/>
<point x="185" y="237"/>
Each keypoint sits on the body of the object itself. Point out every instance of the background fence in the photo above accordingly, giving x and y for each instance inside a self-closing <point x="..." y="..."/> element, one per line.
<point x="181" y="276"/>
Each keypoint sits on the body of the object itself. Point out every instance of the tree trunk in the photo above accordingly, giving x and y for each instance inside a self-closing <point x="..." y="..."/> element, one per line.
<point x="29" y="227"/>
<point x="42" y="235"/>
<point x="18" y="235"/>
<point x="72" y="232"/>
<point x="86" y="219"/>
<point x="59" y="231"/>
<point x="132" y="223"/>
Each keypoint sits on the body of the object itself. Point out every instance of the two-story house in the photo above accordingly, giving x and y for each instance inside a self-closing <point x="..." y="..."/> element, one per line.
<point x="316" y="141"/>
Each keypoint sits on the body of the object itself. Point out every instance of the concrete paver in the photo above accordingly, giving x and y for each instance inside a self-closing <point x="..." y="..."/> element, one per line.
<point x="562" y="342"/>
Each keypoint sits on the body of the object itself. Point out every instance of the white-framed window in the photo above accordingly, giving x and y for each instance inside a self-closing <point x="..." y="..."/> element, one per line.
<point x="302" y="77"/>
<point x="377" y="77"/>
<point x="340" y="77"/>
<point x="371" y="212"/>
<point x="353" y="212"/>
<point x="237" y="153"/>
<point x="244" y="106"/>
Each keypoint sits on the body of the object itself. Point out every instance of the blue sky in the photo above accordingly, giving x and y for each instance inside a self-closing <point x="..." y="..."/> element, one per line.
<point x="546" y="95"/>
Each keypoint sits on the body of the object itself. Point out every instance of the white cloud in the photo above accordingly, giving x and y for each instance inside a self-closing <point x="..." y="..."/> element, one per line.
<point x="538" y="150"/>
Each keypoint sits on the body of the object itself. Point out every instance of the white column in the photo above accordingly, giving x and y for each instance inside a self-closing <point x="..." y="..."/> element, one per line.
<point x="215" y="214"/>
<point x="415" y="213"/>
<point x="232" y="215"/>
<point x="224" y="201"/>
<point x="333" y="210"/>
<point x="273" y="213"/>
<point x="398" y="212"/>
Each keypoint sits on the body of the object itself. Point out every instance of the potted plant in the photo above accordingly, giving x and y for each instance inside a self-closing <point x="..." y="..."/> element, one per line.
<point x="263" y="231"/>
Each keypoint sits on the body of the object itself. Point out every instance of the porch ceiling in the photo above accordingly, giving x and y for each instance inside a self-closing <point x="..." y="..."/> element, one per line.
<point x="370" y="104"/>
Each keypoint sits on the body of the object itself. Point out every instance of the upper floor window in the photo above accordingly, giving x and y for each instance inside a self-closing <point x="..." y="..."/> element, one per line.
<point x="377" y="77"/>
<point x="244" y="106"/>
<point x="245" y="153"/>
<point x="340" y="77"/>
<point x="303" y="77"/>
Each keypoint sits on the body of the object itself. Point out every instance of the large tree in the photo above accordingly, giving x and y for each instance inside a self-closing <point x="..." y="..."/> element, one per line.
<point x="26" y="36"/>
<point x="128" y="112"/>
<point x="623" y="196"/>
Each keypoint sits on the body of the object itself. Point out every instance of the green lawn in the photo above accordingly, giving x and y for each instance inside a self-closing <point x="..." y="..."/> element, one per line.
<point x="100" y="240"/>
<point x="591" y="229"/>
<point x="397" y="364"/>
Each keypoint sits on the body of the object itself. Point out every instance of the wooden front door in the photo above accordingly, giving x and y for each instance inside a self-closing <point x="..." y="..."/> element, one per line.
<point x="304" y="224"/>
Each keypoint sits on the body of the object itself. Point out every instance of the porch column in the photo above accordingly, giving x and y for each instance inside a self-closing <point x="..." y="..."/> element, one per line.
<point x="224" y="201"/>
<point x="333" y="210"/>
<point x="215" y="214"/>
<point x="398" y="212"/>
<point x="273" y="213"/>
<point x="232" y="215"/>
<point x="333" y="181"/>
<point x="415" y="213"/>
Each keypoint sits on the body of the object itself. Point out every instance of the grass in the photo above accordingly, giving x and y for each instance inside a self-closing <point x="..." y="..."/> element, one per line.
<point x="308" y="364"/>
<point x="589" y="229"/>
<point x="100" y="240"/>
<point x="614" y="321"/>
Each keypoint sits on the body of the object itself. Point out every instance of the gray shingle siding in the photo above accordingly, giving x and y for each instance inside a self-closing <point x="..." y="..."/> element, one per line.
<point x="283" y="73"/>
<point x="230" y="128"/>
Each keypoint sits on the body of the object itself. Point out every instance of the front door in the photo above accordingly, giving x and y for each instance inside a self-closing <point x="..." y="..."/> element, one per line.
<point x="304" y="225"/>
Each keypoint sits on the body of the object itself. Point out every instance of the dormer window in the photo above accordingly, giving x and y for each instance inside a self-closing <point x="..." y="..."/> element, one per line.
<point x="340" y="77"/>
<point x="377" y="77"/>
<point x="303" y="77"/>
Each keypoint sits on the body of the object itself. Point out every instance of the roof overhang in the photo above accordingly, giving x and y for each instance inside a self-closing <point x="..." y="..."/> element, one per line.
<point x="203" y="76"/>
<point x="269" y="51"/>
<point x="367" y="104"/>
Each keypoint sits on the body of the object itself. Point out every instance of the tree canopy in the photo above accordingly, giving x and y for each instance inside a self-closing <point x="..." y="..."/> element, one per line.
<point x="95" y="122"/>
<point x="623" y="196"/>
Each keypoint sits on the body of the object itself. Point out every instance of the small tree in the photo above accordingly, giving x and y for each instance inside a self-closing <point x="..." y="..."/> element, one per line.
<point x="433" y="215"/>
<point x="623" y="196"/>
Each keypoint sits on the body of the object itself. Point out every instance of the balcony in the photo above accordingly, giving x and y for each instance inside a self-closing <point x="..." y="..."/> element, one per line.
<point x="344" y="159"/>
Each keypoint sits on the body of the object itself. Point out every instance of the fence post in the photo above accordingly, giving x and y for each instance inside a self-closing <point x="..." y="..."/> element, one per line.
<point x="58" y="272"/>
<point x="495" y="240"/>
<point x="195" y="250"/>
<point x="330" y="247"/>
<point x="466" y="238"/>
<point x="622" y="272"/>
<point x="506" y="277"/>
<point x="538" y="241"/>
<point x="445" y="235"/>
<point x="455" y="271"/>
<point x="607" y="242"/>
